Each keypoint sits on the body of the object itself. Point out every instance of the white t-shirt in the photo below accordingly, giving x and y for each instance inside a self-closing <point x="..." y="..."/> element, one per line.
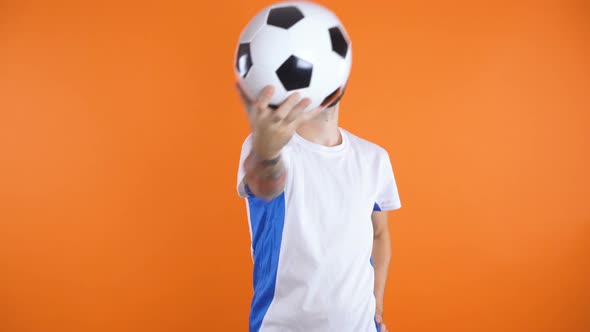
<point x="312" y="244"/>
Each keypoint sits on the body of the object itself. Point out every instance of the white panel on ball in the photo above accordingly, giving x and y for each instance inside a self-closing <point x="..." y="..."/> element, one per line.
<point x="257" y="23"/>
<point x="339" y="68"/>
<point x="270" y="47"/>
<point x="318" y="13"/>
<point x="324" y="79"/>
<point x="348" y="59"/>
<point x="257" y="79"/>
<point x="311" y="39"/>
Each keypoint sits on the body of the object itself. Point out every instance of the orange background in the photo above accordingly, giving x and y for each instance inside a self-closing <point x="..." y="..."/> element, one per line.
<point x="120" y="134"/>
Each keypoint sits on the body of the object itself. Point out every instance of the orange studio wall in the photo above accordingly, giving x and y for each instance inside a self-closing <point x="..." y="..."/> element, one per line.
<point x="120" y="133"/>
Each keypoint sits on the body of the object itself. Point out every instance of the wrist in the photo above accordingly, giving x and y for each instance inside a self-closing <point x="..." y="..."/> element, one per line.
<point x="265" y="157"/>
<point x="255" y="164"/>
<point x="264" y="147"/>
<point x="379" y="295"/>
<point x="268" y="161"/>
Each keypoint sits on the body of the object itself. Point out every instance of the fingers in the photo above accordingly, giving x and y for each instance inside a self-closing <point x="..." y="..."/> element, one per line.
<point x="262" y="103"/>
<point x="289" y="111"/>
<point x="286" y="107"/>
<point x="297" y="110"/>
<point x="379" y="321"/>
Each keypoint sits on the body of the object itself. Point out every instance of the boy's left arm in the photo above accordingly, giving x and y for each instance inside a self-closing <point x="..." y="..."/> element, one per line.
<point x="381" y="256"/>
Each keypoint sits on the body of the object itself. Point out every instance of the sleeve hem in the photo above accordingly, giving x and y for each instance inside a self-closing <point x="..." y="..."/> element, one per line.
<point x="244" y="191"/>
<point x="389" y="207"/>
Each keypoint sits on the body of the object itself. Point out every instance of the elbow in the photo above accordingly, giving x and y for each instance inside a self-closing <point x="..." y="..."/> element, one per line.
<point x="264" y="181"/>
<point x="267" y="190"/>
<point x="377" y="235"/>
<point x="381" y="235"/>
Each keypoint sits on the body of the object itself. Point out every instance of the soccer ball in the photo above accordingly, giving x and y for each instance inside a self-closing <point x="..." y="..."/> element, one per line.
<point x="295" y="46"/>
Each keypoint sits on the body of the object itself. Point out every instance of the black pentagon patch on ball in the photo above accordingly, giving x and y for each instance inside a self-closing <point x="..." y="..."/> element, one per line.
<point x="284" y="17"/>
<point x="295" y="73"/>
<point x="339" y="43"/>
<point x="244" y="59"/>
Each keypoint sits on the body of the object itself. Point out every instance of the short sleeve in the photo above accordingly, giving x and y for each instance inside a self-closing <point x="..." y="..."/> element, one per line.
<point x="246" y="147"/>
<point x="387" y="195"/>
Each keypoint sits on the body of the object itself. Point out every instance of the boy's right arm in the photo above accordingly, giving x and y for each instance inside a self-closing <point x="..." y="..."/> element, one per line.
<point x="265" y="178"/>
<point x="271" y="131"/>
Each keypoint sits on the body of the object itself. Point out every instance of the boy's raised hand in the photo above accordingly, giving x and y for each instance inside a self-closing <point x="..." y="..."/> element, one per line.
<point x="272" y="129"/>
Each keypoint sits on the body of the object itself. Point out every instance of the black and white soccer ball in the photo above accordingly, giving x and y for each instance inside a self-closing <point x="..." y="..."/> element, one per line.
<point x="295" y="46"/>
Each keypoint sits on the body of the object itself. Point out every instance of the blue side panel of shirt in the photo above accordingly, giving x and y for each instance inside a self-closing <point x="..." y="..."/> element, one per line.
<point x="267" y="219"/>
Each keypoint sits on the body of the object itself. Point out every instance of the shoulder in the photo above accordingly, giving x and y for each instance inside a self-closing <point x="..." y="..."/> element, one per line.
<point x="365" y="147"/>
<point x="247" y="140"/>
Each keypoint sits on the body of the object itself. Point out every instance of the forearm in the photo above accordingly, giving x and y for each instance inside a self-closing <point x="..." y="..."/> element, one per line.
<point x="265" y="177"/>
<point x="381" y="256"/>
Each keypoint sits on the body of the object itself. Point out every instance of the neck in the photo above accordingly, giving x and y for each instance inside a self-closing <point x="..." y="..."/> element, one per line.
<point x="323" y="129"/>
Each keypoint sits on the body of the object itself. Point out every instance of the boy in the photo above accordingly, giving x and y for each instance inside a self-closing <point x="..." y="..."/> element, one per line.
<point x="317" y="198"/>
